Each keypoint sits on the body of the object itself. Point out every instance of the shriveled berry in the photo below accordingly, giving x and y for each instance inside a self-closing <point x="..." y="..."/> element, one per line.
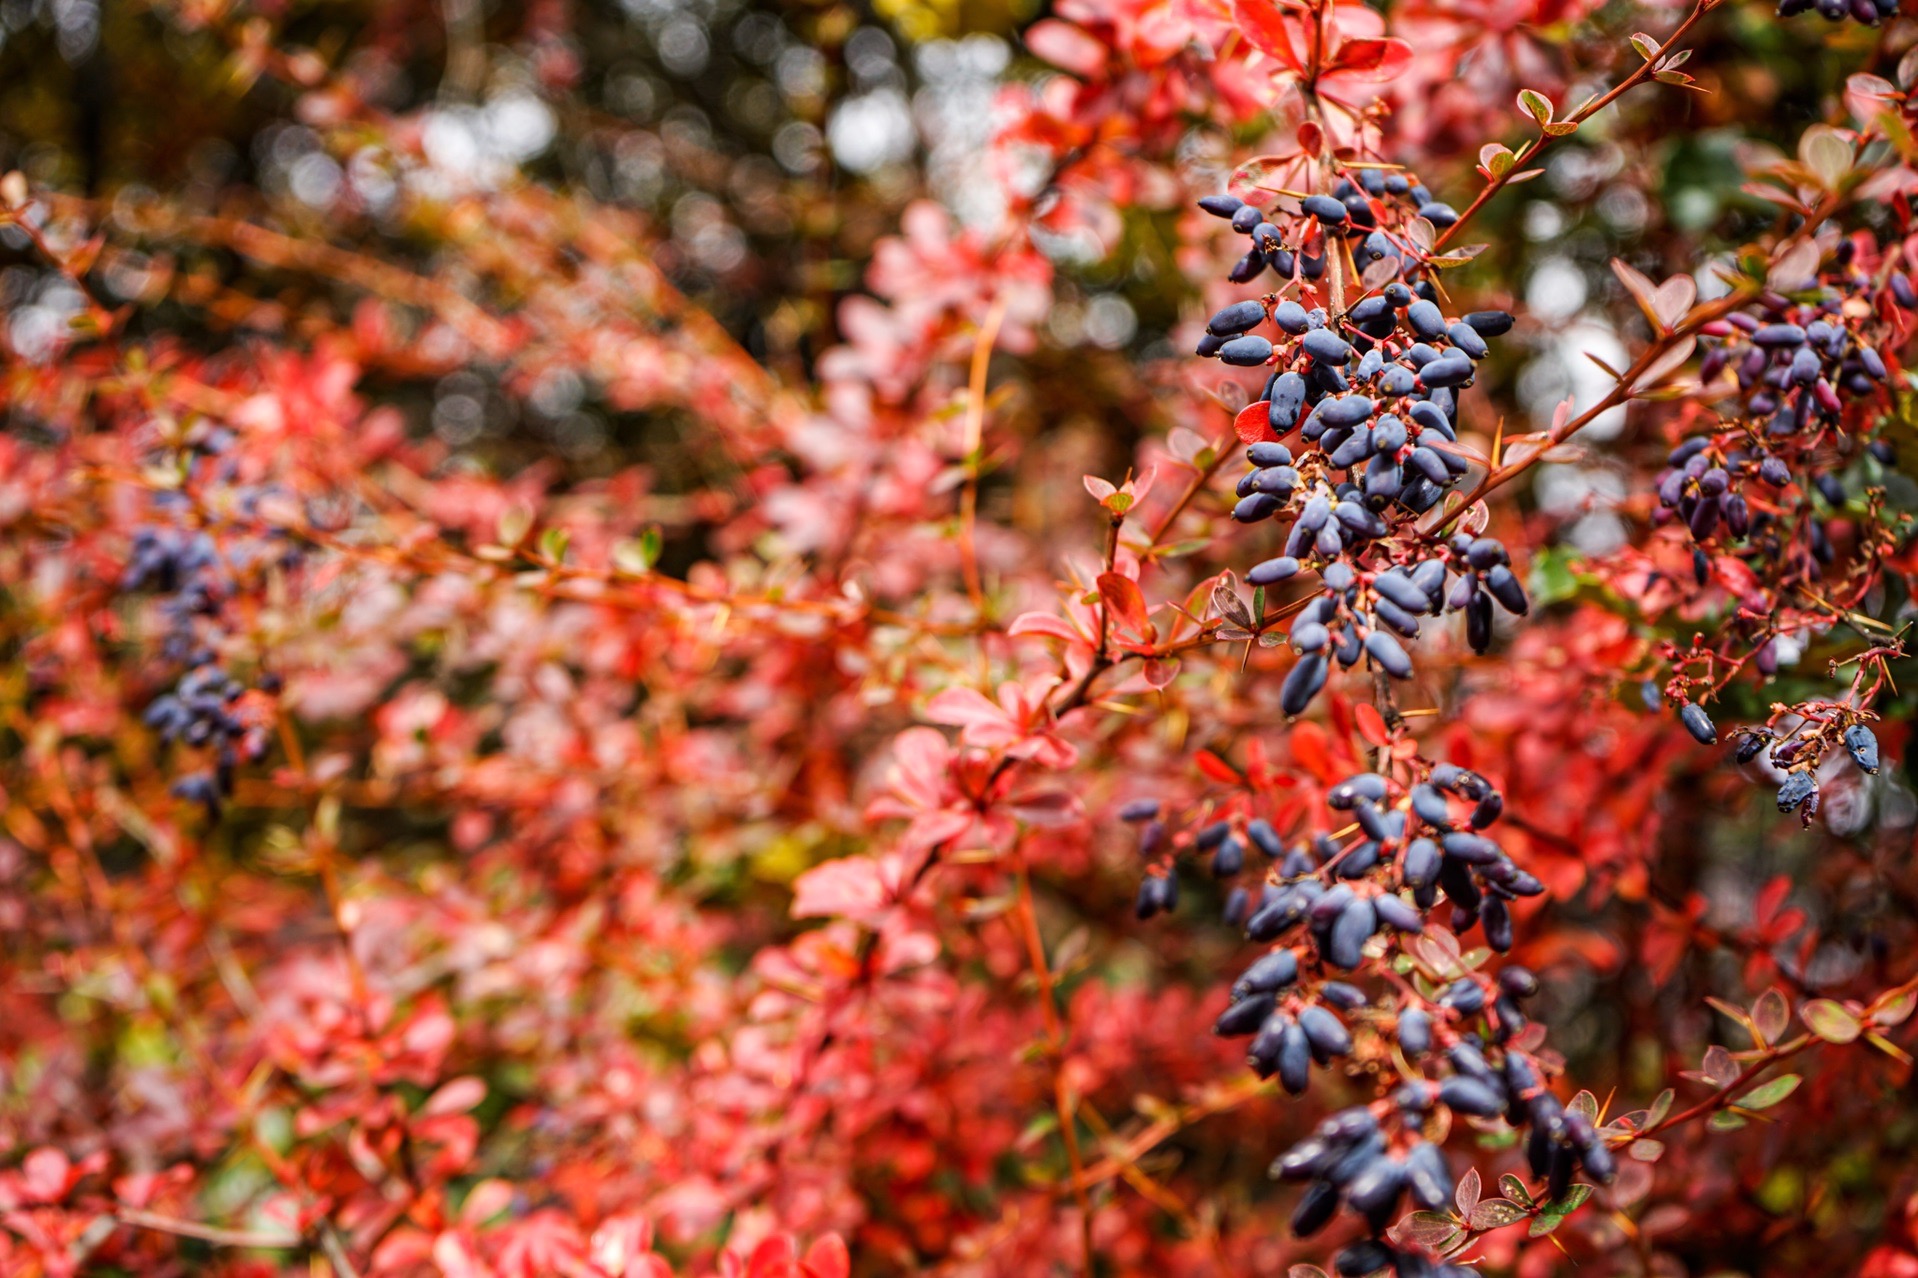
<point x="1799" y="788"/>
<point x="1862" y="745"/>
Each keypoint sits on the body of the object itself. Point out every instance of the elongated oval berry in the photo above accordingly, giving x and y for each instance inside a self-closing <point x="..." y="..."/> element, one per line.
<point x="1415" y="1033"/>
<point x="1472" y="849"/>
<point x="1779" y="336"/>
<point x="1291" y="317"/>
<point x="1447" y="370"/>
<point x="1139" y="810"/>
<point x="1439" y="215"/>
<point x="1236" y="318"/>
<point x="1308" y="1159"/>
<point x="1349" y="410"/>
<point x="1250" y="510"/>
<point x="1243" y="1017"/>
<point x="1302" y="683"/>
<point x="1147" y="903"/>
<point x="1478" y="623"/>
<point x="1244" y="219"/>
<point x="1374" y="1192"/>
<point x="1397" y="380"/>
<point x="1229" y="859"/>
<point x="1401" y="591"/>
<point x="1295" y="1059"/>
<point x="1327" y="347"/>
<point x="1277" y="480"/>
<point x="1425" y="319"/>
<point x="1351" y="450"/>
<point x="1862" y="746"/>
<point x="1503" y="585"/>
<point x="1496" y="920"/>
<point x="1265" y="838"/>
<point x="1698" y="723"/>
<point x="1265" y="453"/>
<point x="1247" y="351"/>
<point x="1369" y="786"/>
<point x="1419" y="867"/>
<point x="1396" y="913"/>
<point x="1390" y="655"/>
<point x="1325" y="1033"/>
<point x="1427" y="1176"/>
<point x="1273" y="571"/>
<point x="1273" y="971"/>
<point x="1324" y="208"/>
<point x="1363" y="1258"/>
<point x="1221" y="205"/>
<point x="1464" y="995"/>
<point x="1798" y="787"/>
<point x="1315" y="1209"/>
<point x="1517" y="981"/>
<point x="1345" y="947"/>
<point x="1263" y="1052"/>
<point x="1490" y="323"/>
<point x="1470" y="1096"/>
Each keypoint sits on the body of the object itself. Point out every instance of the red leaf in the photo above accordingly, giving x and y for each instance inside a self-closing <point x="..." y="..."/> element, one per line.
<point x="827" y="1258"/>
<point x="853" y="887"/>
<point x="1253" y="423"/>
<point x="1265" y="27"/>
<point x="1371" y="723"/>
<point x="1218" y="769"/>
<point x="1372" y="60"/>
<point x="1124" y="602"/>
<point x="1067" y="46"/>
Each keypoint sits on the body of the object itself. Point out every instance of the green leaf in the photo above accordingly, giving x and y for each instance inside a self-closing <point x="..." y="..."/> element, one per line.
<point x="1514" y="1188"/>
<point x="1726" y="1121"/>
<point x="1427" y="1228"/>
<point x="636" y="555"/>
<point x="1496" y="1213"/>
<point x="1765" y="1095"/>
<point x="1574" y="1198"/>
<point x="1660" y="1107"/>
<point x="1536" y="105"/>
<point x="1830" y="1021"/>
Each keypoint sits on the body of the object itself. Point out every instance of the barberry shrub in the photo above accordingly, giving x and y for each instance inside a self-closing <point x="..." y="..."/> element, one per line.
<point x="793" y="642"/>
